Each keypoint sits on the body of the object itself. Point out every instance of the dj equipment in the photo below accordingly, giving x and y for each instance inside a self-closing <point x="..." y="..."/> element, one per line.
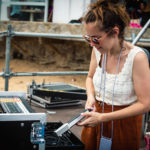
<point x="56" y="94"/>
<point x="13" y="105"/>
<point x="14" y="102"/>
<point x="30" y="131"/>
<point x="15" y="129"/>
<point x="21" y="130"/>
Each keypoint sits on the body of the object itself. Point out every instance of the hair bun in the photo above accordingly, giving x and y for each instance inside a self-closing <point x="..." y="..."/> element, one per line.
<point x="102" y="3"/>
<point x="99" y="3"/>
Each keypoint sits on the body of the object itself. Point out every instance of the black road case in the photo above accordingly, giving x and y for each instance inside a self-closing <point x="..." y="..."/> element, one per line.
<point x="15" y="133"/>
<point x="57" y="94"/>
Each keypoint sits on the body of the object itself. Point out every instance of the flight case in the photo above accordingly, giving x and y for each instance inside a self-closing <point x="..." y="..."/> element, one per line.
<point x="16" y="134"/>
<point x="56" y="94"/>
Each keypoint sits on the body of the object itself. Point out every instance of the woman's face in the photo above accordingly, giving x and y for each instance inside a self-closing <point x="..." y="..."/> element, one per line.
<point x="98" y="39"/>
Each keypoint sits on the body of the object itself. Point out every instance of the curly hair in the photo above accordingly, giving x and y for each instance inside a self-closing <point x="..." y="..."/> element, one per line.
<point x="108" y="15"/>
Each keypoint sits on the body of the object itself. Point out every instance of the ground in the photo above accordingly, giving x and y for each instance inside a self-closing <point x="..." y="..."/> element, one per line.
<point x="21" y="83"/>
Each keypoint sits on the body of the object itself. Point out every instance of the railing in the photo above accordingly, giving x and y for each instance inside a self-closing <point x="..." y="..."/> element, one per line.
<point x="9" y="34"/>
<point x="0" y="7"/>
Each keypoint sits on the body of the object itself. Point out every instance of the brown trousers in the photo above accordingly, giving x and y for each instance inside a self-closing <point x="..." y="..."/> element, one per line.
<point x="126" y="136"/>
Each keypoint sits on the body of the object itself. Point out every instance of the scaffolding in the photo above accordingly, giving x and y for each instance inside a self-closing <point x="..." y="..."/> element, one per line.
<point x="7" y="73"/>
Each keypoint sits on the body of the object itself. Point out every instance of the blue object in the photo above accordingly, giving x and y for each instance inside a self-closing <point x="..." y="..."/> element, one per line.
<point x="37" y="133"/>
<point x="15" y="10"/>
<point x="105" y="143"/>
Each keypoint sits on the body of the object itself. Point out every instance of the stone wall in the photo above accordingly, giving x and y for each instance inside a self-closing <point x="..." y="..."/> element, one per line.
<point x="48" y="51"/>
<point x="61" y="52"/>
<point x="42" y="27"/>
<point x="69" y="29"/>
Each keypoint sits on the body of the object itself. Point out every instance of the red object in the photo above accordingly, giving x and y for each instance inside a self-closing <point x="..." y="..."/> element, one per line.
<point x="135" y="25"/>
<point x="147" y="140"/>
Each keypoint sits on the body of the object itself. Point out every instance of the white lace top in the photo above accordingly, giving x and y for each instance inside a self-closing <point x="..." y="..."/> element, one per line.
<point x="124" y="93"/>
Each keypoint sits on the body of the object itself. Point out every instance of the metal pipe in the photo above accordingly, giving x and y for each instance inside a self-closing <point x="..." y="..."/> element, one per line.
<point x="3" y="34"/>
<point x="52" y="35"/>
<point x="63" y="36"/>
<point x="16" y="74"/>
<point x="60" y="36"/>
<point x="140" y="40"/>
<point x="46" y="10"/>
<point x="1" y="74"/>
<point x="50" y="73"/>
<point x="0" y="8"/>
<point x="141" y="32"/>
<point x="7" y="57"/>
<point x="133" y="36"/>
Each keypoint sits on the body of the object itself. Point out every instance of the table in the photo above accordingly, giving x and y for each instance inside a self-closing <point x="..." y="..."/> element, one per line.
<point x="32" y="12"/>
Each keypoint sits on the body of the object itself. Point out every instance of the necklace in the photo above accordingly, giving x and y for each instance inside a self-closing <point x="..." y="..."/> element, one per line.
<point x="103" y="74"/>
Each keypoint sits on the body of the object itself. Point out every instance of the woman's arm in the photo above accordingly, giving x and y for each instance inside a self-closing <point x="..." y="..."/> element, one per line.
<point x="89" y="82"/>
<point x="141" y="79"/>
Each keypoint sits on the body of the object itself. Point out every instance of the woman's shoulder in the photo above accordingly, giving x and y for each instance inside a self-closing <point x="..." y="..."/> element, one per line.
<point x="129" y="46"/>
<point x="133" y="49"/>
<point x="139" y="54"/>
<point x="138" y="51"/>
<point x="134" y="54"/>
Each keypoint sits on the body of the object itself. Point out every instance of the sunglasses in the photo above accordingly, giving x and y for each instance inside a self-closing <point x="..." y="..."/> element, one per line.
<point x="95" y="40"/>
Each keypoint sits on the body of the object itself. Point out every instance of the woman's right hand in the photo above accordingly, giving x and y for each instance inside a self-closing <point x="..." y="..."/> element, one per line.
<point x="90" y="103"/>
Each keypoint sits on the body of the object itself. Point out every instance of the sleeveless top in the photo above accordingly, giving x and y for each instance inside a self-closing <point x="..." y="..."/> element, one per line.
<point x="124" y="93"/>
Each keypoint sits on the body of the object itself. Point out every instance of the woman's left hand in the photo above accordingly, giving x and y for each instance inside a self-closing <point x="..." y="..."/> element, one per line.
<point x="91" y="119"/>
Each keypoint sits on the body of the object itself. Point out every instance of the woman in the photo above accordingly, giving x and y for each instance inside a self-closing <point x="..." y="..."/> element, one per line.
<point x="117" y="83"/>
